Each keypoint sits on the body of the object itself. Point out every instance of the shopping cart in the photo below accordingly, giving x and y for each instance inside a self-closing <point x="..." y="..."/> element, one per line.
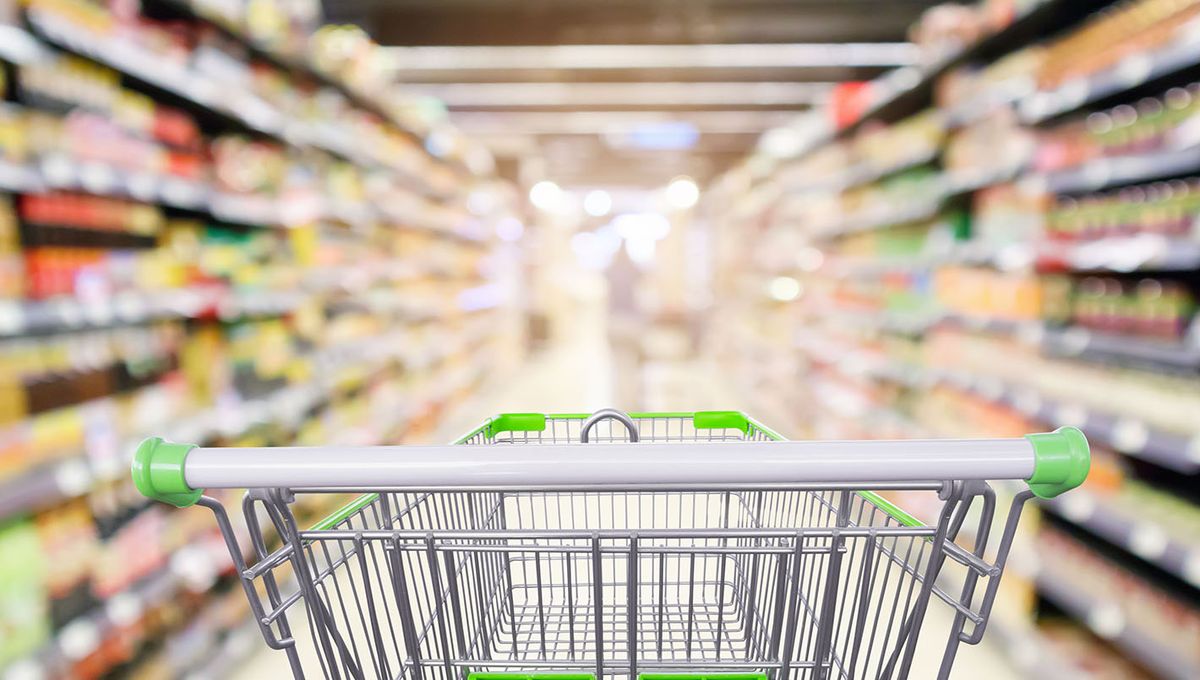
<point x="673" y="545"/>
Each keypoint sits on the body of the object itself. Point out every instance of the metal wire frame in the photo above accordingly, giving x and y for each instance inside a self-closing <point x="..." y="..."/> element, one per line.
<point x="563" y="430"/>
<point x="798" y="584"/>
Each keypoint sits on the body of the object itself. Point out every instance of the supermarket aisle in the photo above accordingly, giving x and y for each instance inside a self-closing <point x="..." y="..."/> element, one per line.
<point x="576" y="376"/>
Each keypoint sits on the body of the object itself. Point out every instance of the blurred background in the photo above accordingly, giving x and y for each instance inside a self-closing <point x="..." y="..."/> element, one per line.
<point x="264" y="222"/>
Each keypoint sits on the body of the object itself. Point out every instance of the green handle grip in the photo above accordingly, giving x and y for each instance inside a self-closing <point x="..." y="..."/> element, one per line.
<point x="1062" y="460"/>
<point x="157" y="471"/>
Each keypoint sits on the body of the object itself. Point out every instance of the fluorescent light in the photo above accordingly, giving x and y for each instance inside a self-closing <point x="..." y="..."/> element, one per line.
<point x="597" y="203"/>
<point x="634" y="226"/>
<point x="507" y="124"/>
<point x="546" y="195"/>
<point x="784" y="289"/>
<point x="682" y="193"/>
<point x="641" y="57"/>
<point x="579" y="95"/>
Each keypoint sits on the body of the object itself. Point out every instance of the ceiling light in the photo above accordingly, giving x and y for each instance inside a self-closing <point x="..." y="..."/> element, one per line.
<point x="506" y="124"/>
<point x="682" y="193"/>
<point x="597" y="203"/>
<point x="784" y="289"/>
<point x="636" y="226"/>
<point x="546" y="195"/>
<point x="581" y="95"/>
<point x="583" y="57"/>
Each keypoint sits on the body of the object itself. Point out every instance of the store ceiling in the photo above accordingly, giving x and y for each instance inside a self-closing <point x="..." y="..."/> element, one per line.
<point x="631" y="92"/>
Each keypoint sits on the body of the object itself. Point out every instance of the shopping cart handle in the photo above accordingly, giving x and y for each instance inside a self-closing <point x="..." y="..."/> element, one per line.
<point x="1052" y="463"/>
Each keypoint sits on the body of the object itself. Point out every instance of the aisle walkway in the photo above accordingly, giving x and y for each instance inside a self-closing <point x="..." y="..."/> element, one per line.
<point x="575" y="377"/>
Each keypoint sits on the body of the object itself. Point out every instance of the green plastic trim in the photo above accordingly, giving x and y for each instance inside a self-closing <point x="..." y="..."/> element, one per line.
<point x="721" y="420"/>
<point x="702" y="676"/>
<point x="536" y="422"/>
<point x="531" y="676"/>
<point x="516" y="422"/>
<point x="1062" y="460"/>
<point x="157" y="471"/>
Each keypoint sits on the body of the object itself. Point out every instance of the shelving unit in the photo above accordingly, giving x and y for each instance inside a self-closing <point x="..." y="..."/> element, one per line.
<point x="342" y="294"/>
<point x="1141" y="645"/>
<point x="944" y="313"/>
<point x="1140" y="537"/>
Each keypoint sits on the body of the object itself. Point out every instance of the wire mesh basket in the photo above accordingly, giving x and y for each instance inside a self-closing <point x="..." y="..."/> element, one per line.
<point x="607" y="545"/>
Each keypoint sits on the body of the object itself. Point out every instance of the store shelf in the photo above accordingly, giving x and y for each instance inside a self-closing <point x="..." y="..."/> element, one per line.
<point x="871" y="221"/>
<point x="910" y="90"/>
<point x="1173" y="451"/>
<point x="1129" y="435"/>
<point x="64" y="172"/>
<point x="1108" y="621"/>
<point x="297" y="66"/>
<point x="1145" y="252"/>
<point x="1110" y="172"/>
<point x="226" y="659"/>
<point x="67" y="173"/>
<point x="1035" y="659"/>
<point x="993" y="325"/>
<point x="71" y="313"/>
<point x="863" y="174"/>
<point x="44" y="487"/>
<point x="51" y="484"/>
<point x="17" y="46"/>
<point x="68" y="314"/>
<point x="1181" y="53"/>
<point x="999" y="95"/>
<point x="18" y="177"/>
<point x="962" y="182"/>
<point x="1088" y="344"/>
<point x="1143" y="538"/>
<point x="84" y="635"/>
<point x="245" y="110"/>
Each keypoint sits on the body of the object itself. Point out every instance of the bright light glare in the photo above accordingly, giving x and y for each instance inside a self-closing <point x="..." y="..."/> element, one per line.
<point x="781" y="142"/>
<point x="595" y="250"/>
<point x="546" y="195"/>
<point x="652" y="226"/>
<point x="597" y="203"/>
<point x="784" y="289"/>
<point x="641" y="250"/>
<point x="682" y="193"/>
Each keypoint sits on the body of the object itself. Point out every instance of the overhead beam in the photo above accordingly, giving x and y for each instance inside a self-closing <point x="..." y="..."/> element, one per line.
<point x="605" y="122"/>
<point x="661" y="22"/>
<point x="601" y="95"/>
<point x="657" y="57"/>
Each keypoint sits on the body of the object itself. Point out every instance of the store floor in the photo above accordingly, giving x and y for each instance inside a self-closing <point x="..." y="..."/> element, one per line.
<point x="575" y="376"/>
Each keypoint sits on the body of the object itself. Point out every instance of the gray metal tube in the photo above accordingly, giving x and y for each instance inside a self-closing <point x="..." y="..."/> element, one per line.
<point x="609" y="464"/>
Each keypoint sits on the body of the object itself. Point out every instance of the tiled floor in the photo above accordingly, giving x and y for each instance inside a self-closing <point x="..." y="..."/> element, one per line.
<point x="576" y="377"/>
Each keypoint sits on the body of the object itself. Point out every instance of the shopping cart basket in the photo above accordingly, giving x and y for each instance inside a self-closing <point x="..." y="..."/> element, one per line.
<point x="607" y="545"/>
